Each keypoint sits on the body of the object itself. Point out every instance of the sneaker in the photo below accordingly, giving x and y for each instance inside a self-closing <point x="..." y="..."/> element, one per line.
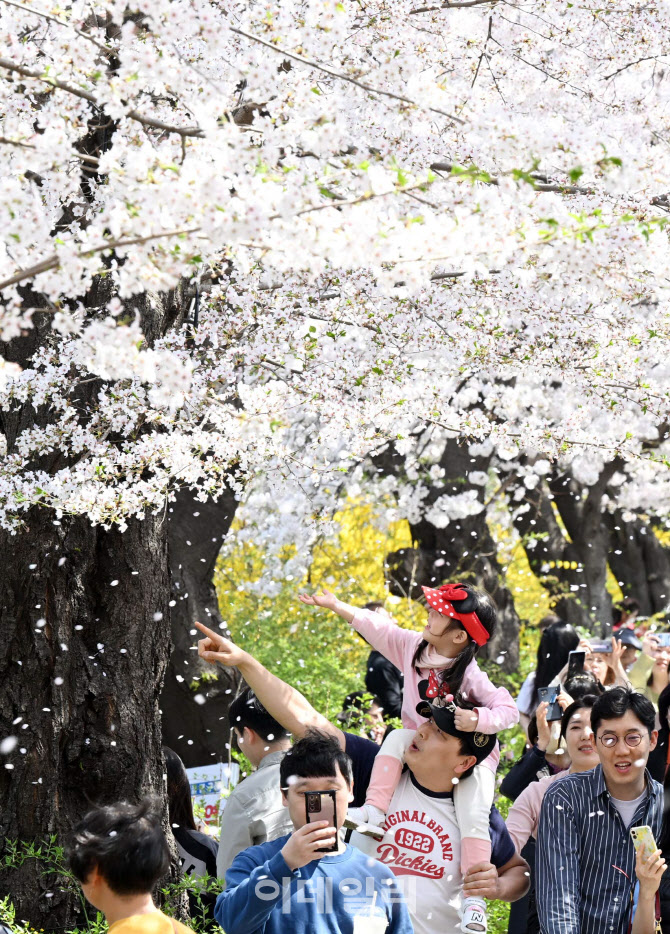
<point x="473" y="918"/>
<point x="359" y="819"/>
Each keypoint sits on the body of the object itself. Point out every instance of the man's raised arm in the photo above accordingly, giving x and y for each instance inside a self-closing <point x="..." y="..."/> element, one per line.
<point x="281" y="701"/>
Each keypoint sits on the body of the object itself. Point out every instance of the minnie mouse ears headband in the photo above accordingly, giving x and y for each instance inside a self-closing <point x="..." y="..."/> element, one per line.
<point x="440" y="599"/>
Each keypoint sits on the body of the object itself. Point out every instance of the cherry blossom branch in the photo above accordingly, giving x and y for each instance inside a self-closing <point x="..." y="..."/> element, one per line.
<point x="4" y="140"/>
<point x="52" y="262"/>
<point x="61" y="22"/>
<point x="646" y="58"/>
<point x="459" y="5"/>
<point x="339" y="76"/>
<point x="494" y="180"/>
<point x="87" y="96"/>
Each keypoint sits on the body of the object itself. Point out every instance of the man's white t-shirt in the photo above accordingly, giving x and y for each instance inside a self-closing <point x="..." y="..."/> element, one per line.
<point x="424" y="851"/>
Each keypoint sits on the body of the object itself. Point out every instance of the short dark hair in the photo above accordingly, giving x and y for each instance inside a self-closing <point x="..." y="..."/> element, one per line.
<point x="373" y="606"/>
<point x="125" y="843"/>
<point x="247" y="710"/>
<point x="316" y="755"/>
<point x="616" y="702"/>
<point x="583" y="703"/>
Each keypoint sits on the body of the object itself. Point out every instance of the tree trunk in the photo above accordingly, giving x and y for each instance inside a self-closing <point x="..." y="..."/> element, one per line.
<point x="197" y="732"/>
<point x="84" y="642"/>
<point x="462" y="551"/>
<point x="569" y="557"/>
<point x="640" y="563"/>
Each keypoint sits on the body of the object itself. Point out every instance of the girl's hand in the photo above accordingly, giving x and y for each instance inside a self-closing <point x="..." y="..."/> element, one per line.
<point x="326" y="599"/>
<point x="649" y="870"/>
<point x="466" y="720"/>
<point x="585" y="645"/>
<point x="543" y="728"/>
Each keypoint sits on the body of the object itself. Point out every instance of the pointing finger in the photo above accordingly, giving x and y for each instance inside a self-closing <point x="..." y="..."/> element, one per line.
<point x="207" y="632"/>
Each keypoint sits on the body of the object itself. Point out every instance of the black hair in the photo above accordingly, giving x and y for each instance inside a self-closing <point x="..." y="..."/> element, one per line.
<point x="532" y="730"/>
<point x="180" y="804"/>
<point x="476" y="602"/>
<point x="247" y="710"/>
<point x="125" y="843"/>
<point x="582" y="684"/>
<point x="465" y="750"/>
<point x="374" y="605"/>
<point x="617" y="702"/>
<point x="556" y="643"/>
<point x="584" y="703"/>
<point x="316" y="755"/>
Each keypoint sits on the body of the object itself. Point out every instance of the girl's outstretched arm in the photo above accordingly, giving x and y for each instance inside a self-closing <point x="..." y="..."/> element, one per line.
<point x="328" y="601"/>
<point x="379" y="631"/>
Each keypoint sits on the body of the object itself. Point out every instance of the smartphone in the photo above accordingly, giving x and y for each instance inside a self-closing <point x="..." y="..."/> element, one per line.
<point x="663" y="638"/>
<point x="602" y="647"/>
<point x="576" y="662"/>
<point x="322" y="805"/>
<point x="550" y="694"/>
<point x="643" y="840"/>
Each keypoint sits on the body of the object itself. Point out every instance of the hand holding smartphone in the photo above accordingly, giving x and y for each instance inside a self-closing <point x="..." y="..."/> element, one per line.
<point x="643" y="840"/>
<point x="322" y="806"/>
<point x="549" y="695"/>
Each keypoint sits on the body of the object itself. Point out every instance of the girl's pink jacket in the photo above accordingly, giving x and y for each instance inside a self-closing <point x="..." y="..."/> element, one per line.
<point x="495" y="706"/>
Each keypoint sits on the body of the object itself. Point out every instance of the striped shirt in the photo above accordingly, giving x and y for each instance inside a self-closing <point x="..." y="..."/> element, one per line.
<point x="585" y="861"/>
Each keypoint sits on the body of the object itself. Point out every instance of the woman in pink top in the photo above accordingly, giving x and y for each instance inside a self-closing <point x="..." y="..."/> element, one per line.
<point x="441" y="661"/>
<point x="524" y="815"/>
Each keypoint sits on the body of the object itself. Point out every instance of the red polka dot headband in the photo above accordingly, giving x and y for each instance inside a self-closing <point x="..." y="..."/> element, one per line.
<point x="439" y="598"/>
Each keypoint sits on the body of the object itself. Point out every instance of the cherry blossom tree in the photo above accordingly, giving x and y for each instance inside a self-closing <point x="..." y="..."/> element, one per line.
<point x="246" y="240"/>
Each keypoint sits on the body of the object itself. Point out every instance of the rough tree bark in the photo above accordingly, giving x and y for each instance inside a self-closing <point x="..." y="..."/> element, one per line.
<point x="463" y="551"/>
<point x="197" y="732"/>
<point x="84" y="643"/>
<point x="640" y="562"/>
<point x="569" y="559"/>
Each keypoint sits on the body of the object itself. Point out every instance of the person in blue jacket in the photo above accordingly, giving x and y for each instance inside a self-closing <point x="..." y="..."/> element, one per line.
<point x="309" y="880"/>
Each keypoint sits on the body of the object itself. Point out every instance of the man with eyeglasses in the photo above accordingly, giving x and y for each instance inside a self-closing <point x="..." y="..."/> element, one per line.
<point x="585" y="860"/>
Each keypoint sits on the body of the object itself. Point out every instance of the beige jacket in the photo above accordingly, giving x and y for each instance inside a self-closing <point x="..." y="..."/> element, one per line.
<point x="253" y="814"/>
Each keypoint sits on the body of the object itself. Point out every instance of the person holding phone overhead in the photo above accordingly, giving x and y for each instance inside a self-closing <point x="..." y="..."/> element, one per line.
<point x="556" y="642"/>
<point x="310" y="880"/>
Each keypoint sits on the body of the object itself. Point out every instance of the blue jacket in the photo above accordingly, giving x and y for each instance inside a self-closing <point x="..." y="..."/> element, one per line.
<point x="264" y="896"/>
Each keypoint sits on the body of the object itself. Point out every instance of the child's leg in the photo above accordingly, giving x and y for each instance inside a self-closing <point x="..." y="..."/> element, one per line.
<point x="387" y="769"/>
<point x="473" y="798"/>
<point x="384" y="778"/>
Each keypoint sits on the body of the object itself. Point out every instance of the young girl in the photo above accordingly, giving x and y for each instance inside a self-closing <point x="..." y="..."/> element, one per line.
<point x="461" y="620"/>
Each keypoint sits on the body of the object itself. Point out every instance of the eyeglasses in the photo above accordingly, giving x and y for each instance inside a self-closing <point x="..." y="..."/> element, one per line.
<point x="611" y="739"/>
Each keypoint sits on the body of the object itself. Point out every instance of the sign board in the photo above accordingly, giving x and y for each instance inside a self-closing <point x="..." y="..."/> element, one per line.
<point x="210" y="785"/>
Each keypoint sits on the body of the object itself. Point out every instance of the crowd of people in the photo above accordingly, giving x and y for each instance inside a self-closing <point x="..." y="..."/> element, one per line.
<point x="360" y="827"/>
